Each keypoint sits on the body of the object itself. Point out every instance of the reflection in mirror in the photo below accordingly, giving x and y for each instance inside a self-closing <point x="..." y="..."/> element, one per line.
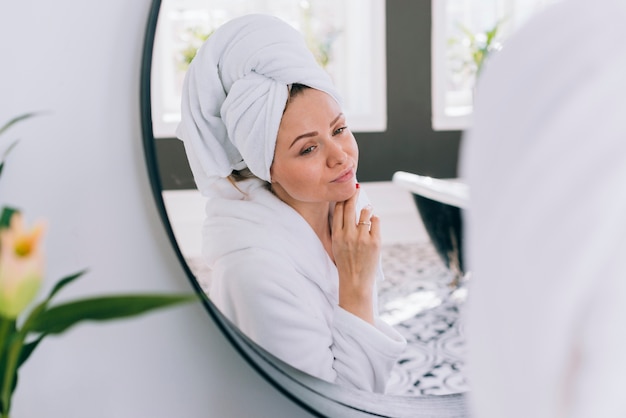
<point x="414" y="299"/>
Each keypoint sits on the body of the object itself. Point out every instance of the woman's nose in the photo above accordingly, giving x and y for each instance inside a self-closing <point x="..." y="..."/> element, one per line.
<point x="336" y="154"/>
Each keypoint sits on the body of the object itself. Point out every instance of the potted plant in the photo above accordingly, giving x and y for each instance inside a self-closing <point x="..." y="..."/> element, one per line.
<point x="22" y="268"/>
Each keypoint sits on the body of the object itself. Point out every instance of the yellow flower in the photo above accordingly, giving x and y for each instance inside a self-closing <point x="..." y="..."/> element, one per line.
<point x="21" y="266"/>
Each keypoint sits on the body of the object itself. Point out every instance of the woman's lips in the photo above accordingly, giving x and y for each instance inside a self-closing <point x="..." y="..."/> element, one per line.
<point x="344" y="176"/>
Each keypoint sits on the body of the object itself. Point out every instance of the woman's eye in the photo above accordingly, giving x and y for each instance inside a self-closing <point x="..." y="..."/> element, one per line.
<point x="340" y="130"/>
<point x="307" y="150"/>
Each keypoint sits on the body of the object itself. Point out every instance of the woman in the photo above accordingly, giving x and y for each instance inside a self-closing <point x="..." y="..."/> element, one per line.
<point x="294" y="251"/>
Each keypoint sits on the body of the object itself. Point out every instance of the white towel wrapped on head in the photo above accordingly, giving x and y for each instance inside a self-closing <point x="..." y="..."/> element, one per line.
<point x="235" y="93"/>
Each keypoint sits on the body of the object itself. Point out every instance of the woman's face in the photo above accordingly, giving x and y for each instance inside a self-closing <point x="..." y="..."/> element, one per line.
<point x="316" y="155"/>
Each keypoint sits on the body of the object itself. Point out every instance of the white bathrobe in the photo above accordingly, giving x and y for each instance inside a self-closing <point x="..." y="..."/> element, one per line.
<point x="272" y="277"/>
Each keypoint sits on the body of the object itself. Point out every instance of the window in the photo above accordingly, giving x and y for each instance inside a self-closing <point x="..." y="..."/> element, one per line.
<point x="347" y="37"/>
<point x="464" y="33"/>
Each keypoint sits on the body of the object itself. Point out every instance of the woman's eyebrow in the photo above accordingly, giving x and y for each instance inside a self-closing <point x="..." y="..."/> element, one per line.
<point x="336" y="119"/>
<point x="314" y="133"/>
<point x="306" y="135"/>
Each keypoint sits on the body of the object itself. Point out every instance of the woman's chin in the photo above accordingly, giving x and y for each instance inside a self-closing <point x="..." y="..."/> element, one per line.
<point x="346" y="191"/>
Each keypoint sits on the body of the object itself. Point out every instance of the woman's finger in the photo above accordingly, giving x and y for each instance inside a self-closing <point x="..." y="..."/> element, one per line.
<point x="338" y="216"/>
<point x="364" y="217"/>
<point x="349" y="210"/>
<point x="375" y="228"/>
<point x="366" y="213"/>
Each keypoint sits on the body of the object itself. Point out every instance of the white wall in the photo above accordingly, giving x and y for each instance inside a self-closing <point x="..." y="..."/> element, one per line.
<point x="80" y="166"/>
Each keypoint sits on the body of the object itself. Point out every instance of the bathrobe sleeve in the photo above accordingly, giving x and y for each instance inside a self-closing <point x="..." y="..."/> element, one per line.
<point x="286" y="314"/>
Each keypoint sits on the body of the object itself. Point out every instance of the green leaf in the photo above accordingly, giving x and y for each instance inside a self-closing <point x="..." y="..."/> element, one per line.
<point x="4" y="128"/>
<point x="467" y="33"/>
<point x="28" y="349"/>
<point x="16" y="120"/>
<point x="6" y="152"/>
<point x="25" y="352"/>
<point x="40" y="307"/>
<point x="57" y="319"/>
<point x="63" y="282"/>
<point x="491" y="35"/>
<point x="5" y="217"/>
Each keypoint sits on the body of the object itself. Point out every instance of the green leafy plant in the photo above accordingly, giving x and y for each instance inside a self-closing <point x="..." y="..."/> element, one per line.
<point x="196" y="36"/>
<point x="21" y="275"/>
<point x="320" y="42"/>
<point x="479" y="45"/>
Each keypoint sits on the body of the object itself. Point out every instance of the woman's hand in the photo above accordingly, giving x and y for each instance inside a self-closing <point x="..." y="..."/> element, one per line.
<point x="356" y="248"/>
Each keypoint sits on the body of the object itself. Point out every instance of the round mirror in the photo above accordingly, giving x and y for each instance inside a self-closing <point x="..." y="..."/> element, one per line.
<point x="415" y="298"/>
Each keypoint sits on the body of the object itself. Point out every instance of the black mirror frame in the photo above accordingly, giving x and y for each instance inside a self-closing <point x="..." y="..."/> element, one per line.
<point x="319" y="398"/>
